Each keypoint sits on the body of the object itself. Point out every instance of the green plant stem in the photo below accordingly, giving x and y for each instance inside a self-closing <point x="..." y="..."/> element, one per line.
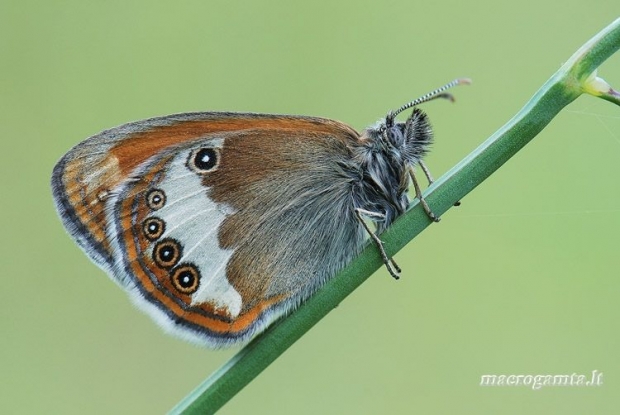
<point x="563" y="88"/>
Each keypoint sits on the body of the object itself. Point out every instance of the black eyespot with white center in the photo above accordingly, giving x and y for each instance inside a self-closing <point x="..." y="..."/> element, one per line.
<point x="204" y="160"/>
<point x="167" y="253"/>
<point x="153" y="228"/>
<point x="185" y="278"/>
<point x="155" y="199"/>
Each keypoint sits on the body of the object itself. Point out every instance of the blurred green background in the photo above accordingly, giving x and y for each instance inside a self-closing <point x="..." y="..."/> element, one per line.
<point x="521" y="279"/>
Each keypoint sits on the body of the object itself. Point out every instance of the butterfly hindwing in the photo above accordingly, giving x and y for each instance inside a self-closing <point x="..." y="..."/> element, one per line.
<point x="217" y="223"/>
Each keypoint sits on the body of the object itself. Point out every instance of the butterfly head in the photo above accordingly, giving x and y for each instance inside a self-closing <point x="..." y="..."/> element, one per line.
<point x="389" y="149"/>
<point x="408" y="141"/>
<point x="402" y="142"/>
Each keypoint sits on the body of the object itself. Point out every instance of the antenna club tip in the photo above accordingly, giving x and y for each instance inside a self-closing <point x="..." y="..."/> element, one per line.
<point x="463" y="81"/>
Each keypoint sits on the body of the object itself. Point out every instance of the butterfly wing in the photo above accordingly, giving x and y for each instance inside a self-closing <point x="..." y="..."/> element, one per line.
<point x="218" y="223"/>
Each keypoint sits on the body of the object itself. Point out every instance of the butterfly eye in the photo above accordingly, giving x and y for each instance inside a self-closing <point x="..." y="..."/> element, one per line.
<point x="155" y="199"/>
<point x="395" y="136"/>
<point x="186" y="279"/>
<point x="167" y="253"/>
<point x="204" y="160"/>
<point x="153" y="228"/>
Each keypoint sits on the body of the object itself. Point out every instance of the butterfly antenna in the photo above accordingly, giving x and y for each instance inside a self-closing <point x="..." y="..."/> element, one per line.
<point x="437" y="93"/>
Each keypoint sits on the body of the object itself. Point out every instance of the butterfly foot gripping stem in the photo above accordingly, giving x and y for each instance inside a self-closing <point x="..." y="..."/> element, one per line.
<point x="418" y="191"/>
<point x="430" y="179"/>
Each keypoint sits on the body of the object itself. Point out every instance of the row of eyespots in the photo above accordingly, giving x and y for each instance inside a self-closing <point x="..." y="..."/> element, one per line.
<point x="167" y="252"/>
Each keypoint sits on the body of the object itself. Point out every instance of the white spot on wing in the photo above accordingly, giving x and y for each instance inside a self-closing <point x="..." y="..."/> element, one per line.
<point x="193" y="219"/>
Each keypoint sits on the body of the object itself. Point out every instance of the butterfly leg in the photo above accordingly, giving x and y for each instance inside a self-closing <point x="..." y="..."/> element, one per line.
<point x="390" y="264"/>
<point x="418" y="192"/>
<point x="430" y="179"/>
<point x="427" y="172"/>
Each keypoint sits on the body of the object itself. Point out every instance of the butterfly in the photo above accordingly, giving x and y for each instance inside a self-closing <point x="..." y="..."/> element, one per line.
<point x="218" y="223"/>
